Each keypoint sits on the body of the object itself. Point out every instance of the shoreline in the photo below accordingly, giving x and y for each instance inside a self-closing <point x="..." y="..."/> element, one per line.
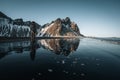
<point x="107" y="40"/>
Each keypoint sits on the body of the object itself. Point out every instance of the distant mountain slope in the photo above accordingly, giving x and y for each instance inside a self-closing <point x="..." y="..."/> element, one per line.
<point x="14" y="28"/>
<point x="2" y="15"/>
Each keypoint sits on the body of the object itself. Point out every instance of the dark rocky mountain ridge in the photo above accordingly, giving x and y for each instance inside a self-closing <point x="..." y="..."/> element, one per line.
<point x="19" y="28"/>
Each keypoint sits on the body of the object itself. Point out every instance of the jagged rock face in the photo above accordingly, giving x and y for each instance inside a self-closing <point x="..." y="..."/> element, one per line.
<point x="12" y="28"/>
<point x="60" y="46"/>
<point x="60" y="27"/>
<point x="15" y="28"/>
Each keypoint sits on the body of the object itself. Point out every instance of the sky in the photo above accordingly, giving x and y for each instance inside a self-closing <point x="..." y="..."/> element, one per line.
<point x="99" y="18"/>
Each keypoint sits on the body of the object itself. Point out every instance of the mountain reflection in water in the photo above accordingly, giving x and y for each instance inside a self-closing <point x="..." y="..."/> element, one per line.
<point x="57" y="46"/>
<point x="60" y="46"/>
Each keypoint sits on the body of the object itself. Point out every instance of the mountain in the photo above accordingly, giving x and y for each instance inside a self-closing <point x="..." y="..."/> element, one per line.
<point x="60" y="27"/>
<point x="15" y="28"/>
<point x="19" y="28"/>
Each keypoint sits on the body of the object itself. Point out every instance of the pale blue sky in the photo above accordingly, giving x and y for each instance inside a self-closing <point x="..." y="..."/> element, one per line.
<point x="94" y="17"/>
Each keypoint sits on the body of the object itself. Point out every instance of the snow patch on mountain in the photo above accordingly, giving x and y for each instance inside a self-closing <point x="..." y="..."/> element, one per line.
<point x="16" y="27"/>
<point x="43" y="30"/>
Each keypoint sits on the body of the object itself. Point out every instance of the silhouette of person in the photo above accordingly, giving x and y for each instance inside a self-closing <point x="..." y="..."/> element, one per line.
<point x="33" y="41"/>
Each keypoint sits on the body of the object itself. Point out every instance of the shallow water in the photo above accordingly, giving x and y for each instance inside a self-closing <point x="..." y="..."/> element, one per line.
<point x="60" y="59"/>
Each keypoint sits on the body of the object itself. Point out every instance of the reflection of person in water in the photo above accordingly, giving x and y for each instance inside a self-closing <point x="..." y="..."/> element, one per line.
<point x="33" y="50"/>
<point x="33" y="41"/>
